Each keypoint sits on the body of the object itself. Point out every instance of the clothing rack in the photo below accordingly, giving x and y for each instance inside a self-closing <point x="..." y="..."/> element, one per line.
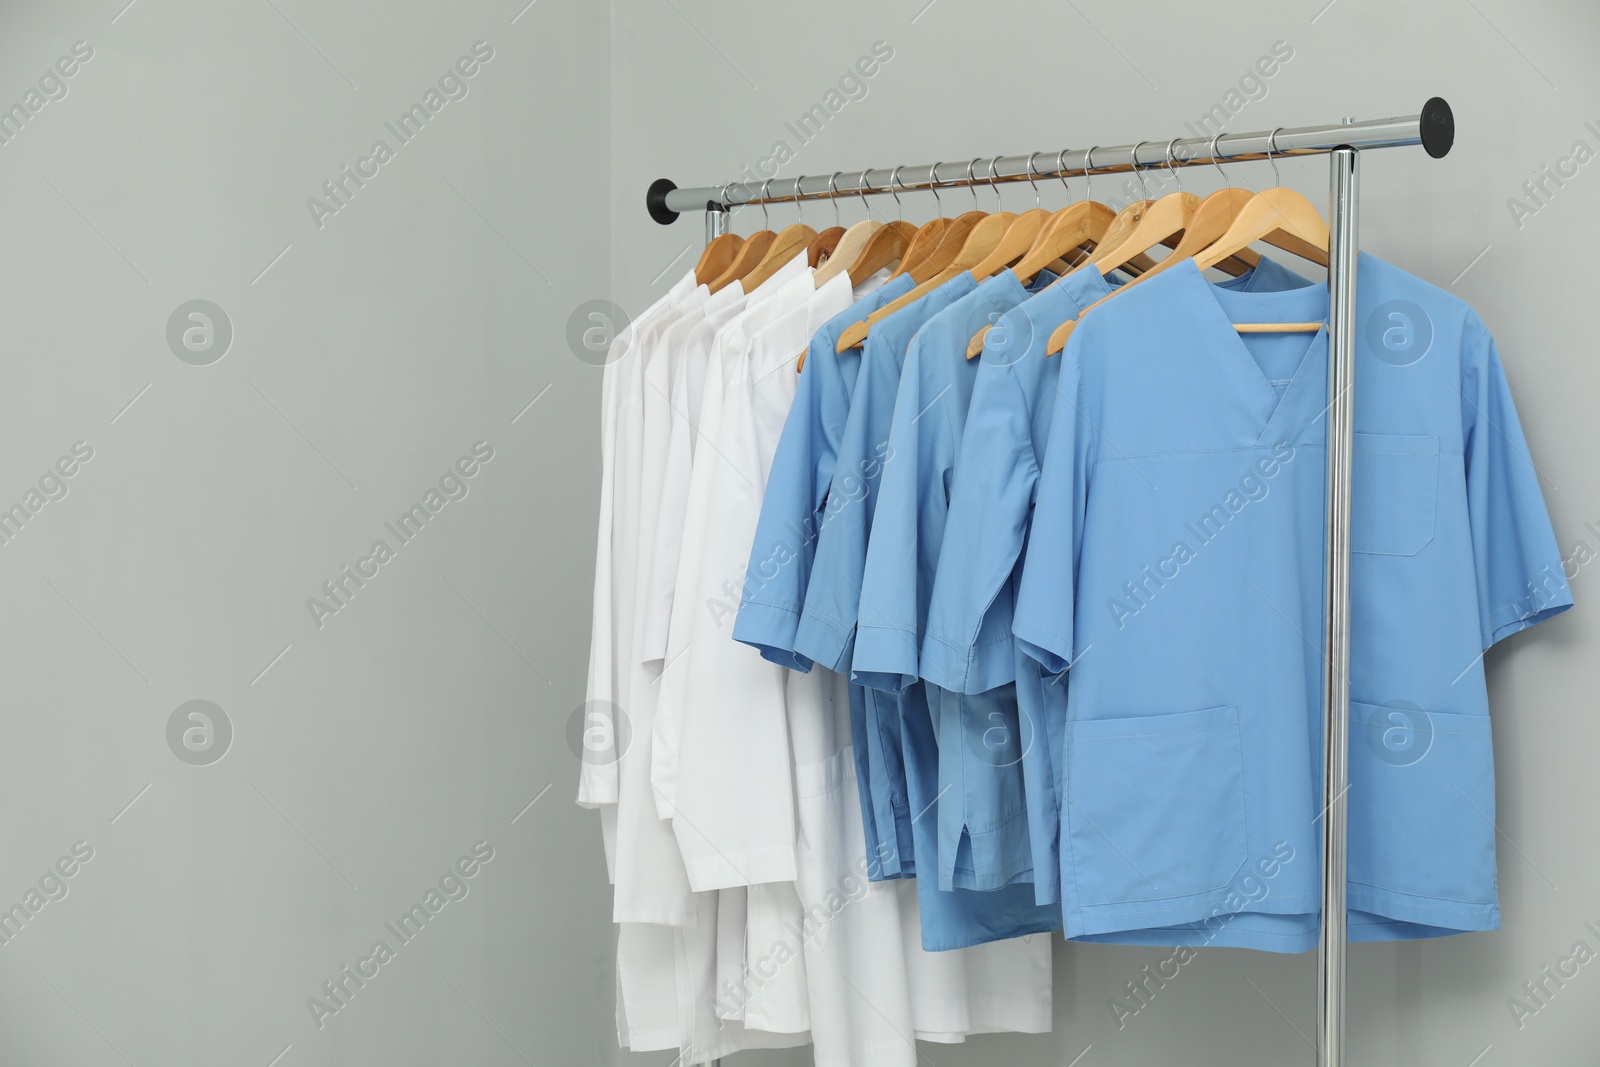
<point x="1434" y="129"/>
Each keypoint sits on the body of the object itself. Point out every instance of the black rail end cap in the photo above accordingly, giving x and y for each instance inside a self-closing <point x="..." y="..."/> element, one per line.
<point x="655" y="201"/>
<point x="1438" y="125"/>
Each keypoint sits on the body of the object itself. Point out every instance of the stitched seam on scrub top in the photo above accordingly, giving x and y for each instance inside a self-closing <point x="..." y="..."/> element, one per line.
<point x="776" y="605"/>
<point x="1425" y="896"/>
<point x="964" y="647"/>
<point x="890" y="627"/>
<point x="836" y="625"/>
<point x="1159" y="733"/>
<point x="1125" y="458"/>
<point x="935" y="635"/>
<point x="1511" y="613"/>
<point x="1032" y="627"/>
<point x="1123" y="909"/>
<point x="995" y="827"/>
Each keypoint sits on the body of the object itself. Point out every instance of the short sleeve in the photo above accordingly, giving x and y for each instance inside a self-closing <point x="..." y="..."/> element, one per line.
<point x="1048" y="594"/>
<point x="886" y="640"/>
<point x="827" y="630"/>
<point x="786" y="534"/>
<point x="990" y="499"/>
<point x="1518" y="564"/>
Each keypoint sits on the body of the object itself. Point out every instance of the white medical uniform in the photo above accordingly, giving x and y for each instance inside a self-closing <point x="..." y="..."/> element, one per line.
<point x="685" y="352"/>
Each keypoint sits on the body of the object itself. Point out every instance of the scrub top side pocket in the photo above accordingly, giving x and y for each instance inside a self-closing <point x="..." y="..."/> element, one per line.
<point x="1422" y="803"/>
<point x="1155" y="806"/>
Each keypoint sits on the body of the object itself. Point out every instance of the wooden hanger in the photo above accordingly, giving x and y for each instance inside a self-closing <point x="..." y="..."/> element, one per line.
<point x="1159" y="222"/>
<point x="750" y="253"/>
<point x="934" y="248"/>
<point x="1209" y="221"/>
<point x="1070" y="228"/>
<point x="853" y="244"/>
<point x="928" y="257"/>
<point x="745" y="257"/>
<point x="1067" y="230"/>
<point x="886" y="247"/>
<point x="790" y="242"/>
<point x="827" y="240"/>
<point x="882" y="245"/>
<point x="717" y="257"/>
<point x="896" y="240"/>
<point x="1019" y="236"/>
<point x="967" y="240"/>
<point x="983" y="238"/>
<point x="821" y="249"/>
<point x="916" y="251"/>
<point x="935" y="256"/>
<point x="1022" y="235"/>
<point x="1096" y="226"/>
<point x="1282" y="217"/>
<point x="991" y="254"/>
<point x="847" y="250"/>
<point x="957" y="251"/>
<point x="1292" y="223"/>
<point x="1279" y="216"/>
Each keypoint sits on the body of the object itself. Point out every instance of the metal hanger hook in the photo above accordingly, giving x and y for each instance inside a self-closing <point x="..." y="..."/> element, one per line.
<point x="1031" y="180"/>
<point x="894" y="181"/>
<point x="1272" y="146"/>
<point x="1172" y="168"/>
<point x="1138" y="172"/>
<point x="1088" y="179"/>
<point x="766" y="221"/>
<point x="994" y="183"/>
<point x="726" y="204"/>
<point x="1227" y="183"/>
<point x="833" y="194"/>
<point x="1061" y="172"/>
<point x="861" y="190"/>
<point x="799" y="213"/>
<point x="972" y="183"/>
<point x="933" y="186"/>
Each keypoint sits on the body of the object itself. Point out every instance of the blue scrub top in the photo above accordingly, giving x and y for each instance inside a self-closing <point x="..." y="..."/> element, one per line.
<point x="796" y="503"/>
<point x="826" y="633"/>
<point x="970" y="894"/>
<point x="981" y="818"/>
<point x="968" y="648"/>
<point x="1175" y="562"/>
<point x="797" y="498"/>
<point x="930" y="411"/>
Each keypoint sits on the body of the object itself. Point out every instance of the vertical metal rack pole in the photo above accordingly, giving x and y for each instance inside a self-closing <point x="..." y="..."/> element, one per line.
<point x="1331" y="946"/>
<point x="716" y="221"/>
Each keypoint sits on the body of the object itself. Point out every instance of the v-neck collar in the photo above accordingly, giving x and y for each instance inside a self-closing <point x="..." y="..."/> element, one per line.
<point x="1307" y="303"/>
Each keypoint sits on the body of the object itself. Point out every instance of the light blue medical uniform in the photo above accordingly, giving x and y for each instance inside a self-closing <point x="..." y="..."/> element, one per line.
<point x="1175" y="561"/>
<point x="796" y="504"/>
<point x="968" y="646"/>
<point x="961" y="899"/>
<point x="980" y="816"/>
<point x="833" y="598"/>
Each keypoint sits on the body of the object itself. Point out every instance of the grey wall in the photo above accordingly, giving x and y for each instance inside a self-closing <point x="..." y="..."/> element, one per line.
<point x="701" y="90"/>
<point x="367" y="356"/>
<point x="370" y="753"/>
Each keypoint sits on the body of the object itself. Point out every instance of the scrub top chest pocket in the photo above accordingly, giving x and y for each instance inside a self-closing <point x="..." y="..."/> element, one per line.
<point x="1395" y="493"/>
